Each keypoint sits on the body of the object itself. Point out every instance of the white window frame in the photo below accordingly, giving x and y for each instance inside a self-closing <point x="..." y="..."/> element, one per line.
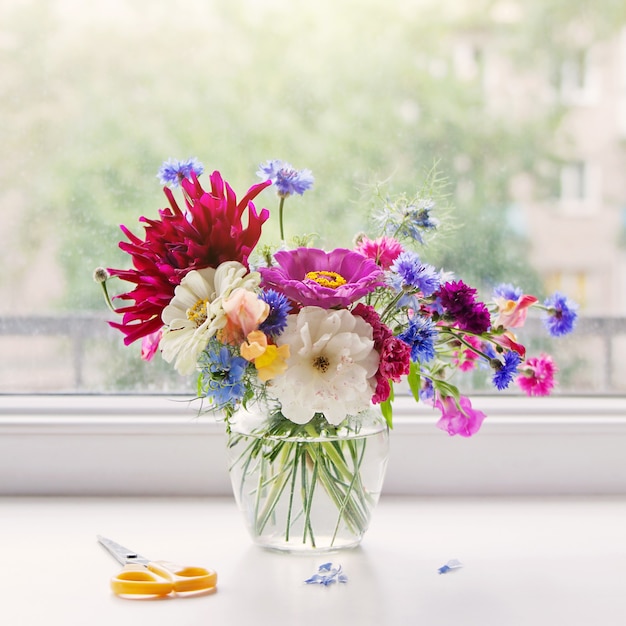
<point x="159" y="446"/>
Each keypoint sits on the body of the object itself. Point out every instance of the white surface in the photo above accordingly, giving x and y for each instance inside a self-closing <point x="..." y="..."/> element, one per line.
<point x="530" y="562"/>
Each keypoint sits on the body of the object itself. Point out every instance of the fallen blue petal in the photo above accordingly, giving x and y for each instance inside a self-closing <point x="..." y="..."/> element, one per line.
<point x="327" y="574"/>
<point x="452" y="564"/>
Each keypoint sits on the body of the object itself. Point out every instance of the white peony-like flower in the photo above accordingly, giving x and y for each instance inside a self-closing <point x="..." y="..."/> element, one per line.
<point x="331" y="366"/>
<point x="195" y="313"/>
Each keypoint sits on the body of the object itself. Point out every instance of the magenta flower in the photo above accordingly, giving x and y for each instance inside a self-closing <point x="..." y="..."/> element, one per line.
<point x="383" y="250"/>
<point x="394" y="354"/>
<point x="209" y="233"/>
<point x="150" y="345"/>
<point x="312" y="277"/>
<point x="459" y="304"/>
<point x="537" y="376"/>
<point x="458" y="420"/>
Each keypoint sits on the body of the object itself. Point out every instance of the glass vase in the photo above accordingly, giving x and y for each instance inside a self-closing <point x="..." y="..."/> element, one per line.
<point x="309" y="487"/>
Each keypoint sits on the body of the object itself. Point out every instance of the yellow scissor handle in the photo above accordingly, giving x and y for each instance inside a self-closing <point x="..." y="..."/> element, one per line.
<point x="184" y="578"/>
<point x="136" y="580"/>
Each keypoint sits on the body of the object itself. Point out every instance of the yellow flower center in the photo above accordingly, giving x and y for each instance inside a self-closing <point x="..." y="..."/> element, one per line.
<point x="321" y="363"/>
<point x="326" y="278"/>
<point x="197" y="313"/>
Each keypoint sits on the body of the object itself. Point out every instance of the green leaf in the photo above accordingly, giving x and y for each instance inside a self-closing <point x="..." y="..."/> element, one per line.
<point x="387" y="411"/>
<point x="414" y="380"/>
<point x="386" y="407"/>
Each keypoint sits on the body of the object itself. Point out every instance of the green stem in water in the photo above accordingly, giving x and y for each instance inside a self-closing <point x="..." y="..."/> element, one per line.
<point x="307" y="498"/>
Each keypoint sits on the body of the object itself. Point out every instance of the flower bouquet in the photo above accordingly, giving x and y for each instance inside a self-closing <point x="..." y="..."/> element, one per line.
<point x="298" y="349"/>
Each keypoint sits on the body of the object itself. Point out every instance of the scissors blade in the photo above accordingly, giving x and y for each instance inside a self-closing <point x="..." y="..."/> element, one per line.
<point x="122" y="554"/>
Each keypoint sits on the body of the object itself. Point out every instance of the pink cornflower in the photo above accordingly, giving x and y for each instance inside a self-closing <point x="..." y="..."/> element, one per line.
<point x="383" y="250"/>
<point x="537" y="376"/>
<point x="465" y="359"/>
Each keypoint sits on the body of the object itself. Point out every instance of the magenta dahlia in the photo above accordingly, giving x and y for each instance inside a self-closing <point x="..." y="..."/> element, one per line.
<point x="208" y="233"/>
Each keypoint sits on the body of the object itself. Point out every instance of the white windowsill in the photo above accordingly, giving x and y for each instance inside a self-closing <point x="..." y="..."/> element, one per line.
<point x="156" y="445"/>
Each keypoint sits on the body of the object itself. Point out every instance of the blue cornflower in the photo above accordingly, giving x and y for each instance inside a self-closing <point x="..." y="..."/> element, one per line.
<point x="276" y="321"/>
<point x="508" y="292"/>
<point x="173" y="171"/>
<point x="505" y="372"/>
<point x="427" y="392"/>
<point x="561" y="314"/>
<point x="420" y="337"/>
<point x="327" y="574"/>
<point x="415" y="274"/>
<point x="223" y="374"/>
<point x="286" y="179"/>
<point x="417" y="219"/>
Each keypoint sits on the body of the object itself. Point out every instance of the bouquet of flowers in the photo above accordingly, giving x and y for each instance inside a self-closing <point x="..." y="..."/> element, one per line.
<point x="316" y="337"/>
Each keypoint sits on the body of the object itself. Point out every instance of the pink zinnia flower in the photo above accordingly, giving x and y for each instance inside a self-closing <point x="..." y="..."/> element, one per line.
<point x="313" y="277"/>
<point x="537" y="377"/>
<point x="395" y="354"/>
<point x="458" y="420"/>
<point x="208" y="233"/>
<point x="382" y="250"/>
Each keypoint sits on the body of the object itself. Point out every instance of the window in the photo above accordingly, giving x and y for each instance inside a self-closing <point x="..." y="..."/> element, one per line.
<point x="97" y="95"/>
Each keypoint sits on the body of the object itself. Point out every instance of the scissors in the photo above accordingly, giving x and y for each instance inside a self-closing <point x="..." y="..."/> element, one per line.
<point x="141" y="576"/>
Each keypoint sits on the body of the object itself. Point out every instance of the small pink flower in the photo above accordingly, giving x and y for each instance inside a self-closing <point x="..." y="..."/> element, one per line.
<point x="244" y="312"/>
<point x="458" y="420"/>
<point x="466" y="359"/>
<point x="383" y="250"/>
<point x="537" y="377"/>
<point x="512" y="313"/>
<point x="150" y="345"/>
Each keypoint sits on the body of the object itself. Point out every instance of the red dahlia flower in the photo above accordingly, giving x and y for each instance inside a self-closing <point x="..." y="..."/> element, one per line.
<point x="209" y="233"/>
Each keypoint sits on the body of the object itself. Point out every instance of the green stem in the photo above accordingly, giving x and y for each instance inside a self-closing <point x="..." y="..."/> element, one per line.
<point x="280" y="217"/>
<point x="355" y="478"/>
<point x="107" y="298"/>
<point x="291" y="492"/>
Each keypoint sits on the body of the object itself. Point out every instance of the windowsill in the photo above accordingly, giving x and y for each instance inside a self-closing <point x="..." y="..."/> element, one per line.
<point x="157" y="445"/>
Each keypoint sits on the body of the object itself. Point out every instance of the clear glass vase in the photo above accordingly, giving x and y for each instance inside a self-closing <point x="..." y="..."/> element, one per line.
<point x="309" y="487"/>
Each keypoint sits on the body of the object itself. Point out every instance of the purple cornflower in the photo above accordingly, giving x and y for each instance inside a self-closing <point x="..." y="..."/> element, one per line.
<point x="561" y="314"/>
<point x="414" y="273"/>
<point x="276" y="321"/>
<point x="427" y="392"/>
<point x="286" y="179"/>
<point x="173" y="171"/>
<point x="459" y="303"/>
<point x="420" y="337"/>
<point x="506" y="372"/>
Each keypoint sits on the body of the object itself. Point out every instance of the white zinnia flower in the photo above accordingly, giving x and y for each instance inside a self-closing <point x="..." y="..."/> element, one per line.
<point x="195" y="312"/>
<point x="331" y="367"/>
